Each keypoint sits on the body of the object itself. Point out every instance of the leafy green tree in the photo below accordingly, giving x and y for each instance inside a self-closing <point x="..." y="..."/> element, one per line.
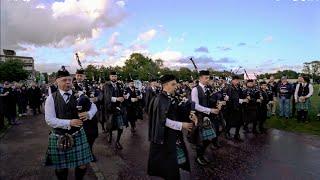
<point x="185" y="74"/>
<point x="312" y="68"/>
<point x="92" y="72"/>
<point x="12" y="70"/>
<point x="289" y="73"/>
<point x="46" y="77"/>
<point x="140" y="67"/>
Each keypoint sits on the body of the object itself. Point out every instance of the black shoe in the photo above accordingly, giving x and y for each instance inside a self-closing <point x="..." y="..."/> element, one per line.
<point x="118" y="146"/>
<point x="217" y="144"/>
<point x="109" y="137"/>
<point x="237" y="138"/>
<point x="201" y="161"/>
<point x="255" y="132"/>
<point x="263" y="130"/>
<point x="133" y="130"/>
<point x="80" y="173"/>
<point x="246" y="130"/>
<point x="228" y="136"/>
<point x="94" y="158"/>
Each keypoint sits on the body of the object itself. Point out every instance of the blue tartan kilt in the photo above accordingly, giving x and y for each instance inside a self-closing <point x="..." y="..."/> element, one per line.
<point x="207" y="134"/>
<point x="305" y="106"/>
<point x="79" y="155"/>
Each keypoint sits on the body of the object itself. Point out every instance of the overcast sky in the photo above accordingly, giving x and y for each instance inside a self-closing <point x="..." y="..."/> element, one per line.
<point x="261" y="35"/>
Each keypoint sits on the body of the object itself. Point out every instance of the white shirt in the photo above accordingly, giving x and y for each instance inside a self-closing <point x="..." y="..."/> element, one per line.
<point x="297" y="90"/>
<point x="195" y="99"/>
<point x="50" y="113"/>
<point x="176" y="125"/>
<point x="127" y="96"/>
<point x="114" y="85"/>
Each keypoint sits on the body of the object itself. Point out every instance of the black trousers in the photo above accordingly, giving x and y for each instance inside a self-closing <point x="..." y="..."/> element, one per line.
<point x="302" y="116"/>
<point x="132" y="123"/>
<point x="251" y="116"/>
<point x="263" y="114"/>
<point x="91" y="139"/>
<point x="201" y="148"/>
<point x="62" y="174"/>
<point x="234" y="118"/>
<point x="35" y="108"/>
<point x="22" y="108"/>
<point x="1" y="121"/>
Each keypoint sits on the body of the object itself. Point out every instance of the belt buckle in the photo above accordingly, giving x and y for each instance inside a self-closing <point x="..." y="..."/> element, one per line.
<point x="206" y="122"/>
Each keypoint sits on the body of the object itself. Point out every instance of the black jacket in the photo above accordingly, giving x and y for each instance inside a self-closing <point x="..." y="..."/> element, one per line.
<point x="163" y="153"/>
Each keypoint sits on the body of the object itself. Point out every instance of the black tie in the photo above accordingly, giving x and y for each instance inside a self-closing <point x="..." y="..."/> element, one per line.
<point x="114" y="85"/>
<point x="206" y="90"/>
<point x="67" y="94"/>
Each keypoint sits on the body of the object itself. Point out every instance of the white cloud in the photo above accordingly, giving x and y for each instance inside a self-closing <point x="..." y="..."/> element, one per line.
<point x="47" y="67"/>
<point x="96" y="33"/>
<point x="224" y="48"/>
<point x="168" y="55"/>
<point x="121" y="4"/>
<point x="57" y="25"/>
<point x="268" y="39"/>
<point x="113" y="41"/>
<point x="40" y="6"/>
<point x="170" y="58"/>
<point x="147" y="36"/>
<point x="83" y="8"/>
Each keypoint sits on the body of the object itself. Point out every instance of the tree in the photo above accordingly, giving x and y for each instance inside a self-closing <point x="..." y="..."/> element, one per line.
<point x="46" y="77"/>
<point x="159" y="62"/>
<point x="140" y="67"/>
<point x="312" y="68"/>
<point x="185" y="74"/>
<point x="92" y="73"/>
<point x="12" y="70"/>
<point x="289" y="73"/>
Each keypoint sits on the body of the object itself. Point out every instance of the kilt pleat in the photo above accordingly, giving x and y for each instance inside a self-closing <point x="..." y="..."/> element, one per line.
<point x="305" y="106"/>
<point x="79" y="155"/>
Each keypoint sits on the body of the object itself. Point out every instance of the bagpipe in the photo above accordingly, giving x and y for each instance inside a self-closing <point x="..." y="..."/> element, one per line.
<point x="252" y="94"/>
<point x="83" y="101"/>
<point x="207" y="121"/>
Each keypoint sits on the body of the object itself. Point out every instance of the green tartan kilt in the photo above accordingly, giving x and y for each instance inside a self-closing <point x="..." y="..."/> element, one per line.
<point x="207" y="134"/>
<point x="305" y="106"/>
<point x="181" y="156"/>
<point x="79" y="155"/>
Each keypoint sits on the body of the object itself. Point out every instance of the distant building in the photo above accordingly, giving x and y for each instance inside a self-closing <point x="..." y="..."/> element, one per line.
<point x="28" y="62"/>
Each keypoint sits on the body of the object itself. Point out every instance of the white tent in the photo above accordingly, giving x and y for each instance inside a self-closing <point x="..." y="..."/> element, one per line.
<point x="249" y="76"/>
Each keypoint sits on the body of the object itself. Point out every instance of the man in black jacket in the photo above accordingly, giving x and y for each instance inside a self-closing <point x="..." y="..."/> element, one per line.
<point x="34" y="94"/>
<point x="132" y="96"/>
<point x="10" y="103"/>
<point x="83" y="91"/>
<point x="234" y="108"/>
<point x="168" y="154"/>
<point x="114" y="109"/>
<point x="151" y="92"/>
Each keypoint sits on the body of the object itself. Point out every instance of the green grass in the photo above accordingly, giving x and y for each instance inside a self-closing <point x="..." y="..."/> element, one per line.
<point x="313" y="127"/>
